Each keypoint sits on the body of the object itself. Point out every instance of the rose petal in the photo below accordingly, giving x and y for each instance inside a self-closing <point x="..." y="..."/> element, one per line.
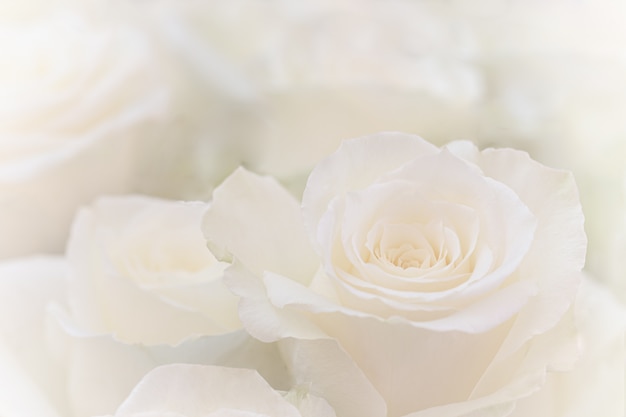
<point x="325" y="368"/>
<point x="166" y="389"/>
<point x="259" y="222"/>
<point x="262" y="319"/>
<point x="103" y="371"/>
<point x="381" y="350"/>
<point x="558" y="250"/>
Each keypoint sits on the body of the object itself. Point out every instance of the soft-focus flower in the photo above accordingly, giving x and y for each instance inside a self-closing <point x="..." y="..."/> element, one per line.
<point x="313" y="73"/>
<point x="199" y="391"/>
<point x="446" y="272"/>
<point x="137" y="289"/>
<point x="76" y="103"/>
<point x="140" y="270"/>
<point x="143" y="289"/>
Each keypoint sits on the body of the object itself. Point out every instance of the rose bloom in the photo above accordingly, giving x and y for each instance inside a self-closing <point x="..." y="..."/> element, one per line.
<point x="138" y="288"/>
<point x="77" y="103"/>
<point x="217" y="392"/>
<point x="447" y="280"/>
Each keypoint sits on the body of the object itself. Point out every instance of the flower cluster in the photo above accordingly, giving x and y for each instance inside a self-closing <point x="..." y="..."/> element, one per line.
<point x="411" y="280"/>
<point x="197" y="219"/>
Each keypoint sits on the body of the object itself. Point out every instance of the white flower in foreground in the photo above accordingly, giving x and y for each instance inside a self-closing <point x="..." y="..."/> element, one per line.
<point x="447" y="282"/>
<point x="77" y="100"/>
<point x="209" y="391"/>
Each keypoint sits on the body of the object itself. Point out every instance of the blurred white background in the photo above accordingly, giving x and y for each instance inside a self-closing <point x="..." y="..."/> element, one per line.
<point x="168" y="97"/>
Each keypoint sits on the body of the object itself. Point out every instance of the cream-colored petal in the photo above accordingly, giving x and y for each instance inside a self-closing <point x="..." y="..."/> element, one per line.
<point x="259" y="316"/>
<point x="257" y="221"/>
<point x="557" y="252"/>
<point x="392" y="354"/>
<point x="197" y="391"/>
<point x="325" y="369"/>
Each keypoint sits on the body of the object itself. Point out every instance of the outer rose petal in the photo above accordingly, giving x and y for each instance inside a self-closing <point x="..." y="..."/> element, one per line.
<point x="392" y="354"/>
<point x="102" y="371"/>
<point x="215" y="391"/>
<point x="558" y="250"/>
<point x="324" y="367"/>
<point x="257" y="221"/>
<point x="262" y="319"/>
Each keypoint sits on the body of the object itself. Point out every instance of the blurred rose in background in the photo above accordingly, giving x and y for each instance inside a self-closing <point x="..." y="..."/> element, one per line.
<point x="167" y="98"/>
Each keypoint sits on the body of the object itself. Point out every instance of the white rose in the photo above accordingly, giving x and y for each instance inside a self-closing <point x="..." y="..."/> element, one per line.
<point x="199" y="391"/>
<point x="143" y="290"/>
<point x="448" y="276"/>
<point x="77" y="100"/>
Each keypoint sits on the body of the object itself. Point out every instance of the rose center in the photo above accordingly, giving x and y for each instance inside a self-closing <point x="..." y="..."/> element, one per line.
<point x="407" y="246"/>
<point x="408" y="256"/>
